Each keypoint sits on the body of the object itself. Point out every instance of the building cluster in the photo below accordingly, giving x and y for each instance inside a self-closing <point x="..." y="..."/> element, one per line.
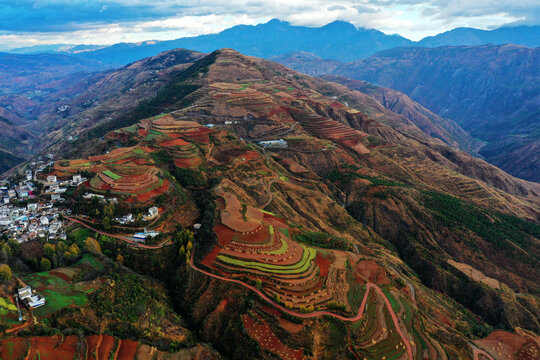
<point x="24" y="215"/>
<point x="153" y="213"/>
<point x="25" y="222"/>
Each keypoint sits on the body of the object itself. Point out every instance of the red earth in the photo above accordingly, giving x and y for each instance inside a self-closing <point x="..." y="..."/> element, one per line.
<point x="107" y="343"/>
<point x="53" y="347"/>
<point x="371" y="271"/>
<point x="175" y="142"/>
<point x="323" y="263"/>
<point x="13" y="348"/>
<point x="126" y="350"/>
<point x="61" y="275"/>
<point x="92" y="345"/>
<point x="260" y="331"/>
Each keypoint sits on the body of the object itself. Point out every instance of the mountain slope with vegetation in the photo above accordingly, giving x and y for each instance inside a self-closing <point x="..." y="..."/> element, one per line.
<point x="491" y="91"/>
<point x="355" y="234"/>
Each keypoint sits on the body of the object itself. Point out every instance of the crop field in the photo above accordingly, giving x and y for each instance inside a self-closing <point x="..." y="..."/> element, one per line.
<point x="375" y="336"/>
<point x="260" y="331"/>
<point x="8" y="311"/>
<point x="59" y="289"/>
<point x="98" y="347"/>
<point x="112" y="175"/>
<point x="126" y="172"/>
<point x="259" y="249"/>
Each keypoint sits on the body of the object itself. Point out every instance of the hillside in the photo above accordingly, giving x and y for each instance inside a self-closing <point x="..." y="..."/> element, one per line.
<point x="490" y="91"/>
<point x="8" y="160"/>
<point x="358" y="235"/>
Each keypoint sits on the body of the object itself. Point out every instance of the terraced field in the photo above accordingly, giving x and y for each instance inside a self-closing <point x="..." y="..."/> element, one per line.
<point x="257" y="247"/>
<point x="125" y="172"/>
<point x="94" y="347"/>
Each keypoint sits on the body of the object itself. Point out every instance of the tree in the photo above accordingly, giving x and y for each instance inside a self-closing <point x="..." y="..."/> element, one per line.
<point x="139" y="219"/>
<point x="258" y="284"/>
<point x="182" y="251"/>
<point x="14" y="245"/>
<point x="120" y="259"/>
<point x="49" y="250"/>
<point x="45" y="264"/>
<point x="72" y="253"/>
<point x="5" y="272"/>
<point x="289" y="305"/>
<point x="5" y="252"/>
<point x="106" y="223"/>
<point x="61" y="247"/>
<point x="189" y="246"/>
<point x="92" y="246"/>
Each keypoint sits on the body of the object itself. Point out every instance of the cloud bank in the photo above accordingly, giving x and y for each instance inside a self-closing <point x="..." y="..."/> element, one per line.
<point x="31" y="22"/>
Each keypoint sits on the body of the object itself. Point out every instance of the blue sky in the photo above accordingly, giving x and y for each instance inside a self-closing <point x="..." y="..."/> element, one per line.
<point x="37" y="22"/>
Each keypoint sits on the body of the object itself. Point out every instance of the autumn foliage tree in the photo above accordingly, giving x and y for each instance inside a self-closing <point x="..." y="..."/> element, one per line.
<point x="5" y="272"/>
<point x="92" y="246"/>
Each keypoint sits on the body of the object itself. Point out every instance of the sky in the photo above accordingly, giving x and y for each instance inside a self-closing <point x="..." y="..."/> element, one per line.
<point x="39" y="22"/>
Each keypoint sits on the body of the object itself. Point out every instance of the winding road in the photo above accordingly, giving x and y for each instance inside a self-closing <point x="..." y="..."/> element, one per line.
<point x="358" y="316"/>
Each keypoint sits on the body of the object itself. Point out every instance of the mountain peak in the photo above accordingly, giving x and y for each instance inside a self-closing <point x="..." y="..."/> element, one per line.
<point x="277" y="22"/>
<point x="340" y="25"/>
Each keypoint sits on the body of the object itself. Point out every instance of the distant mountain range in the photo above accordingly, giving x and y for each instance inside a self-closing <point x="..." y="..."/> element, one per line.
<point x="338" y="40"/>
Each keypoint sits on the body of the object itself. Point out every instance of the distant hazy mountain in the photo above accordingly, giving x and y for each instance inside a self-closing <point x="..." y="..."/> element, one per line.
<point x="522" y="35"/>
<point x="27" y="73"/>
<point x="62" y="48"/>
<point x="337" y="40"/>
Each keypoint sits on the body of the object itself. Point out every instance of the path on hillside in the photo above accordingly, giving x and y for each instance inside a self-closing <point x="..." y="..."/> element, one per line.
<point x="129" y="241"/>
<point x="358" y="316"/>
<point x="19" y="327"/>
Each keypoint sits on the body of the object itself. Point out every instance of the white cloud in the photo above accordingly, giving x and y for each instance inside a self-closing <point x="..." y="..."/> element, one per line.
<point x="111" y="21"/>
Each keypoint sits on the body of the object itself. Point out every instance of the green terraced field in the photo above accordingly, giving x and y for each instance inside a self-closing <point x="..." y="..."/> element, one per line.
<point x="112" y="175"/>
<point x="282" y="249"/>
<point x="298" y="268"/>
<point x="395" y="304"/>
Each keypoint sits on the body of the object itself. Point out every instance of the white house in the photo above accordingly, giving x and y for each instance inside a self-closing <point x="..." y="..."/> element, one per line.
<point x="44" y="220"/>
<point x="276" y="143"/>
<point x="152" y="213"/>
<point x="28" y="298"/>
<point x="91" y="196"/>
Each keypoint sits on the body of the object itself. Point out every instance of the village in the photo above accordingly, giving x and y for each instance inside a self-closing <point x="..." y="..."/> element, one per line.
<point x="29" y="207"/>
